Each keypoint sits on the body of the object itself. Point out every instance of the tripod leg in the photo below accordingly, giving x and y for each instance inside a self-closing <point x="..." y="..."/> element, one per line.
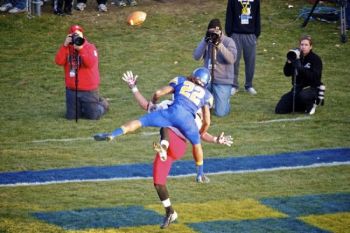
<point x="308" y="17"/>
<point x="343" y="37"/>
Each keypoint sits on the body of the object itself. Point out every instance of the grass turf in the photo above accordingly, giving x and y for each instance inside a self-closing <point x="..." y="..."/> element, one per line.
<point x="32" y="97"/>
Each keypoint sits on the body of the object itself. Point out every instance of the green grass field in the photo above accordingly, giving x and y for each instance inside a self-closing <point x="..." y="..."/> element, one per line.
<point x="33" y="129"/>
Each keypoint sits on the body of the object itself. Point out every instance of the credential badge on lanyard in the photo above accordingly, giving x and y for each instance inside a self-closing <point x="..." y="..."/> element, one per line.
<point x="245" y="13"/>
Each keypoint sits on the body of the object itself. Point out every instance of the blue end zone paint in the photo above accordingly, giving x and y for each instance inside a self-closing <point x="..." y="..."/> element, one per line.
<point x="213" y="165"/>
<point x="310" y="204"/>
<point x="283" y="225"/>
<point x="128" y="216"/>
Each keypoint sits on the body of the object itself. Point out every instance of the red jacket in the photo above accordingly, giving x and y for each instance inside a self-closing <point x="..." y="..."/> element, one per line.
<point x="88" y="73"/>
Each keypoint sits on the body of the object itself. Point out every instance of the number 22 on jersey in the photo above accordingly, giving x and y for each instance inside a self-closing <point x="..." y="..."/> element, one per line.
<point x="193" y="92"/>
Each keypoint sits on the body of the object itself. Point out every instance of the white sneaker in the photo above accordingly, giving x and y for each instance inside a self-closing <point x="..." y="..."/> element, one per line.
<point x="234" y="90"/>
<point x="16" y="10"/>
<point x="168" y="219"/>
<point x="80" y="6"/>
<point x="251" y="91"/>
<point x="102" y="8"/>
<point x="6" y="7"/>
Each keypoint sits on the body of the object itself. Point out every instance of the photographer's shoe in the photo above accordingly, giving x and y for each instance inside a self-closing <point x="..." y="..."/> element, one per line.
<point x="16" y="10"/>
<point x="132" y="2"/>
<point x="234" y="90"/>
<point x="251" y="91"/>
<point x="6" y="7"/>
<point x="80" y="6"/>
<point x="102" y="8"/>
<point x="168" y="219"/>
<point x="120" y="3"/>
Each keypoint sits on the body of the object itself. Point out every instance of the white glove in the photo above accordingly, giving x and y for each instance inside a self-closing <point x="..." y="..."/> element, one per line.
<point x="130" y="79"/>
<point x="224" y="140"/>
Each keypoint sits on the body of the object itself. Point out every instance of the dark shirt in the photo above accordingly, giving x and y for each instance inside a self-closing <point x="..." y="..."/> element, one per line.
<point x="309" y="72"/>
<point x="234" y="17"/>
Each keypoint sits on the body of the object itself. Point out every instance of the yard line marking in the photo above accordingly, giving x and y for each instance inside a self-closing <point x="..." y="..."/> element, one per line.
<point x="61" y="140"/>
<point x="147" y="133"/>
<point x="285" y="120"/>
<point x="227" y="165"/>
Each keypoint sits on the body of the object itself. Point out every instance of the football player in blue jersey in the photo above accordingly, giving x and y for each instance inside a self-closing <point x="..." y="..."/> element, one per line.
<point x="190" y="95"/>
<point x="172" y="147"/>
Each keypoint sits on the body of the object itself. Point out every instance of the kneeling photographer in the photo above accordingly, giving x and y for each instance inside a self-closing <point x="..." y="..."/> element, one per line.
<point x="219" y="53"/>
<point x="305" y="68"/>
<point x="80" y="61"/>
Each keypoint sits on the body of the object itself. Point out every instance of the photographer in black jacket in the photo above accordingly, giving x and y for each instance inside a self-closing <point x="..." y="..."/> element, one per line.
<point x="305" y="68"/>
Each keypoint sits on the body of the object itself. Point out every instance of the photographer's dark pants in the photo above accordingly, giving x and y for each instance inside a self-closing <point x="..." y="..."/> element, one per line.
<point x="246" y="44"/>
<point x="304" y="100"/>
<point x="90" y="105"/>
<point x="98" y="1"/>
<point x="62" y="6"/>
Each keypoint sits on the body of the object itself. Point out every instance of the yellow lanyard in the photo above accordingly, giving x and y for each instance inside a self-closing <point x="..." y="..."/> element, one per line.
<point x="244" y="7"/>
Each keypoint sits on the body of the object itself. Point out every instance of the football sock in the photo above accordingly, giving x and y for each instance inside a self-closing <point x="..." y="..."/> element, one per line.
<point x="117" y="132"/>
<point x="168" y="208"/>
<point x="200" y="170"/>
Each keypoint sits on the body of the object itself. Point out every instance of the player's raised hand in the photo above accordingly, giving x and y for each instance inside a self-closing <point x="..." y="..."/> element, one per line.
<point x="225" y="140"/>
<point x="130" y="79"/>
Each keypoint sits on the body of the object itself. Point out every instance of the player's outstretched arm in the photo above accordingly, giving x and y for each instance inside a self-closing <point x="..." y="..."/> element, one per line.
<point x="131" y="80"/>
<point x="205" y="119"/>
<point x="222" y="139"/>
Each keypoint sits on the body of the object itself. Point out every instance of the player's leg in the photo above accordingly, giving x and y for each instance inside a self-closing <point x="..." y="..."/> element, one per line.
<point x="163" y="145"/>
<point x="197" y="152"/>
<point x="153" y="119"/>
<point x="160" y="172"/>
<point x="192" y="134"/>
<point x="171" y="144"/>
<point x="124" y="129"/>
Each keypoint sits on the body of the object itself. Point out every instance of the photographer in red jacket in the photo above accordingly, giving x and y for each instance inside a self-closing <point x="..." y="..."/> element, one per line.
<point x="80" y="61"/>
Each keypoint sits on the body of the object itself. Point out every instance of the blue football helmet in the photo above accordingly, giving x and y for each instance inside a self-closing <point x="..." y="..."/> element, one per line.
<point x="202" y="74"/>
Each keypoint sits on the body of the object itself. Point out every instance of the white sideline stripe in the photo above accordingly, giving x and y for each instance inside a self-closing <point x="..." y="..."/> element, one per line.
<point x="316" y="165"/>
<point x="155" y="133"/>
<point x="81" y="139"/>
<point x="62" y="140"/>
<point x="285" y="120"/>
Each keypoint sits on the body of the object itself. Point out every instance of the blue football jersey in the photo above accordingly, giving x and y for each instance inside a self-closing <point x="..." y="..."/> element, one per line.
<point x="189" y="95"/>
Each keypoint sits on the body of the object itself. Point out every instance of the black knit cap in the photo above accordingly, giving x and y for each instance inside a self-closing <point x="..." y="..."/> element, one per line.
<point x="214" y="23"/>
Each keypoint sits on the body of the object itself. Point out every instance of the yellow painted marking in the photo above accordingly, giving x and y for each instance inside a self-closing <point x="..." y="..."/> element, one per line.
<point x="221" y="210"/>
<point x="337" y="223"/>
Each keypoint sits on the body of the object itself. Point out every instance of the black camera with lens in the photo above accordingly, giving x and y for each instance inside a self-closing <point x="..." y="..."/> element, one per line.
<point x="213" y="36"/>
<point x="293" y="55"/>
<point x="77" y="39"/>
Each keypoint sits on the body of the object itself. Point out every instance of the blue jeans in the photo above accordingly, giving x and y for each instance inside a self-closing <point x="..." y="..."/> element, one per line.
<point x="222" y="95"/>
<point x="89" y="105"/>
